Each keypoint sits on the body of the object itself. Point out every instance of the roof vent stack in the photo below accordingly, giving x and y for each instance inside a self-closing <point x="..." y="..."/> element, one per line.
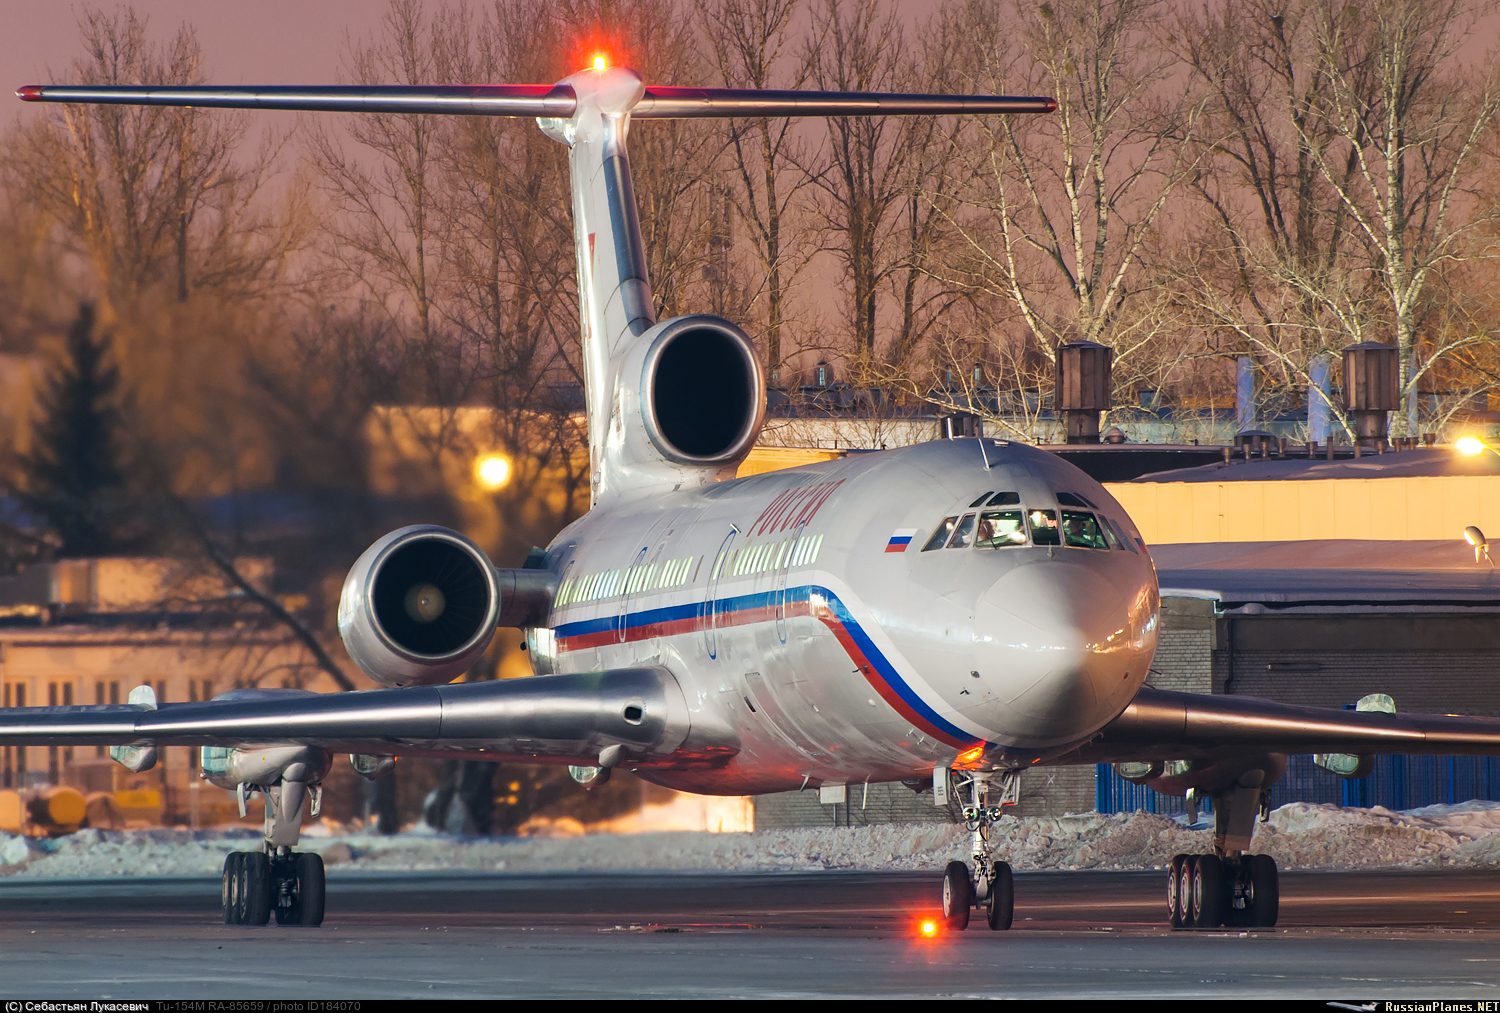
<point x="1083" y="387"/>
<point x="1371" y="372"/>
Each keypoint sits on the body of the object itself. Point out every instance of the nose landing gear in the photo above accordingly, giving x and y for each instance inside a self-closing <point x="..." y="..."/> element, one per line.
<point x="981" y="881"/>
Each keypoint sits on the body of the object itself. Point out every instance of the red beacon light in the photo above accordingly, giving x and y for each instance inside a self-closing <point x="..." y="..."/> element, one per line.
<point x="600" y="63"/>
<point x="927" y="928"/>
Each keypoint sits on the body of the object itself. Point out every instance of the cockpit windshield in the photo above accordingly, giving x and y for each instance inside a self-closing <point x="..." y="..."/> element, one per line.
<point x="1081" y="530"/>
<point x="999" y="529"/>
<point x="1043" y="524"/>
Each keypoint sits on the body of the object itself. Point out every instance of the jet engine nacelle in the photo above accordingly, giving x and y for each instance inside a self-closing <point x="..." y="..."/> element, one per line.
<point x="419" y="607"/>
<point x="690" y="399"/>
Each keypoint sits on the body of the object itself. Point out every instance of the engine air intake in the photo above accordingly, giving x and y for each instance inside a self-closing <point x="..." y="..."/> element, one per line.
<point x="704" y="392"/>
<point x="431" y="597"/>
<point x="419" y="607"/>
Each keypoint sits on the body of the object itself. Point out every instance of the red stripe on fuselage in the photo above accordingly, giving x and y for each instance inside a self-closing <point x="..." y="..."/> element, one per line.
<point x="766" y="614"/>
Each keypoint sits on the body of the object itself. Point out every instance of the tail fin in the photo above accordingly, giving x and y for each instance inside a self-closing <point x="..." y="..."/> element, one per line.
<point x="591" y="113"/>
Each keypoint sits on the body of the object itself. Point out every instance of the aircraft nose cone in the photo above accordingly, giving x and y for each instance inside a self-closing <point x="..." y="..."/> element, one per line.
<point x="1056" y="645"/>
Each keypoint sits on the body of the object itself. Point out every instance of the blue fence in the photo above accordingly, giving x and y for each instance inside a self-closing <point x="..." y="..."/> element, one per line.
<point x="1398" y="782"/>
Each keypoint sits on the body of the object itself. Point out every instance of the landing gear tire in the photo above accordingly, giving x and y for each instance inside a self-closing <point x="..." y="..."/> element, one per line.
<point x="958" y="896"/>
<point x="1000" y="906"/>
<point x="246" y="890"/>
<point x="305" y="873"/>
<point x="1210" y="892"/>
<point x="231" y="886"/>
<point x="258" y="886"/>
<point x="1176" y="896"/>
<point x="1264" y="902"/>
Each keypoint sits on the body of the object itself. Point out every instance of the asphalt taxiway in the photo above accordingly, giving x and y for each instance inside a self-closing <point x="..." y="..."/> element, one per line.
<point x="1341" y="936"/>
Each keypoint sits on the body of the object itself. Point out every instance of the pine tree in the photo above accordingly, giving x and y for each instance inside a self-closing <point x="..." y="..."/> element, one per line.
<point x="73" y="475"/>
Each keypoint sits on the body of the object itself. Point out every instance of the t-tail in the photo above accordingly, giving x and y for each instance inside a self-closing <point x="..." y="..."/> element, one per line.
<point x="672" y="404"/>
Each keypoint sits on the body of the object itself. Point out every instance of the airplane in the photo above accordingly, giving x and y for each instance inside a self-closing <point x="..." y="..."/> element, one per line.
<point x="950" y="614"/>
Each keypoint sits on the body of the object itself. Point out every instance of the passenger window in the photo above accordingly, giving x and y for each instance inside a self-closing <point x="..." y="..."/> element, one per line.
<point x="940" y="536"/>
<point x="982" y="497"/>
<point x="1081" y="530"/>
<point x="1006" y="499"/>
<point x="1000" y="528"/>
<point x="963" y="534"/>
<point x="1043" y="525"/>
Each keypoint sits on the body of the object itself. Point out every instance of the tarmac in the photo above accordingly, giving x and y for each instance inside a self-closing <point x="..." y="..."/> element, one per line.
<point x="1344" y="936"/>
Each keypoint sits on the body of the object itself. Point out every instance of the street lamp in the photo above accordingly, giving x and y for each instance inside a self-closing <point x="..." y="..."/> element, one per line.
<point x="492" y="471"/>
<point x="1481" y="544"/>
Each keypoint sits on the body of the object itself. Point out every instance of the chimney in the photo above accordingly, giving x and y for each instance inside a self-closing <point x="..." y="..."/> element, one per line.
<point x="1371" y="375"/>
<point x="1083" y="387"/>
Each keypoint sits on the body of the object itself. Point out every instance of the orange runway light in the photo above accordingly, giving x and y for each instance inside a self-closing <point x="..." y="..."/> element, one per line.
<point x="928" y="929"/>
<point x="600" y="62"/>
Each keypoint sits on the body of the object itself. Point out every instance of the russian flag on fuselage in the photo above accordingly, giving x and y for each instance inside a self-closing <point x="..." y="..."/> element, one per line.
<point x="900" y="539"/>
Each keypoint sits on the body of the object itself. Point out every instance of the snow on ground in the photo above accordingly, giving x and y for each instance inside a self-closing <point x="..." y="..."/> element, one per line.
<point x="1298" y="836"/>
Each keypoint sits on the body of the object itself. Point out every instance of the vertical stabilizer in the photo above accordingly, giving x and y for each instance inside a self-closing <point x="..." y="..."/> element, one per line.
<point x="614" y="292"/>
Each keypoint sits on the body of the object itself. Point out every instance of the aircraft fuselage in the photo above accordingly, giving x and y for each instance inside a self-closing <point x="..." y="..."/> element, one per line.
<point x="805" y="616"/>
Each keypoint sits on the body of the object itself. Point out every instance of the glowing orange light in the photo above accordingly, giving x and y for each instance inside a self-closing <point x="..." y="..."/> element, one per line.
<point x="928" y="928"/>
<point x="600" y="63"/>
<point x="969" y="756"/>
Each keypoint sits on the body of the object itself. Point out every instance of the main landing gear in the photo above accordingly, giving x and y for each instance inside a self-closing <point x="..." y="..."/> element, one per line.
<point x="276" y="880"/>
<point x="1238" y="891"/>
<point x="1227" y="887"/>
<point x="288" y="884"/>
<point x="982" y="882"/>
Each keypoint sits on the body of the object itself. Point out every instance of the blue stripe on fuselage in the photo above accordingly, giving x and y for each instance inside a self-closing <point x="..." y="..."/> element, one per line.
<point x="726" y="607"/>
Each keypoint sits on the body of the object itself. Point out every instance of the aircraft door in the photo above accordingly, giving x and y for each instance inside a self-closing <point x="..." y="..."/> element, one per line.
<point x="633" y="578"/>
<point x="711" y="606"/>
<point x="779" y="590"/>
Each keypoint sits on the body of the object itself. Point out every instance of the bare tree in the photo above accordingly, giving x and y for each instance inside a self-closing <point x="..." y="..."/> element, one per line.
<point x="1411" y="118"/>
<point x="150" y="195"/>
<point x="753" y="46"/>
<point x="1062" y="206"/>
<point x="865" y="178"/>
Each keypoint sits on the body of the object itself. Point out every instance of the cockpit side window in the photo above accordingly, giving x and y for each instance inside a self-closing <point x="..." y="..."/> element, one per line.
<point x="940" y="536"/>
<point x="1124" y="539"/>
<point x="963" y="534"/>
<point x="1005" y="499"/>
<point x="999" y="529"/>
<point x="1081" y="530"/>
<point x="1109" y="532"/>
<point x="1043" y="524"/>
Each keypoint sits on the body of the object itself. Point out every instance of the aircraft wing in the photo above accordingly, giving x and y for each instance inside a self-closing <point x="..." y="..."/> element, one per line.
<point x="557" y="718"/>
<point x="1162" y="725"/>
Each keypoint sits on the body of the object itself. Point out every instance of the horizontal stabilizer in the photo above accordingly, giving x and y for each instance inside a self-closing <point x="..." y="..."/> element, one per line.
<point x="546" y="101"/>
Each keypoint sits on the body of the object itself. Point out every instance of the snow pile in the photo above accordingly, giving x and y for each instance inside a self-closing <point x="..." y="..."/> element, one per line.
<point x="1298" y="836"/>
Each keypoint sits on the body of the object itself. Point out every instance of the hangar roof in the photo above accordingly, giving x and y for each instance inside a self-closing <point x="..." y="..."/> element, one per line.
<point x="1429" y="462"/>
<point x="1327" y="572"/>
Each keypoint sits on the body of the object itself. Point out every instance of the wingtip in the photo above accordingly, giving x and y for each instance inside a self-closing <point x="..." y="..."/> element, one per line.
<point x="29" y="93"/>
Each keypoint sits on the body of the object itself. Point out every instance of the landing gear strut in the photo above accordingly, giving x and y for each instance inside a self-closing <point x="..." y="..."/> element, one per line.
<point x="982" y="881"/>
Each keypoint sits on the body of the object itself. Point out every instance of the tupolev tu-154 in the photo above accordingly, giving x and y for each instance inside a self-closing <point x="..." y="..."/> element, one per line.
<point x="953" y="613"/>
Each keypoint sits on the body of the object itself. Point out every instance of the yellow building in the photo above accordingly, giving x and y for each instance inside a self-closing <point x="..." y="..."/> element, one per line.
<point x="88" y="631"/>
